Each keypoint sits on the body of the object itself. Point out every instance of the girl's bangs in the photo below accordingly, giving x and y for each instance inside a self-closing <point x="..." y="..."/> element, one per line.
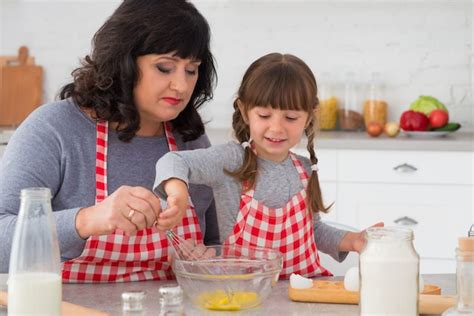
<point x="284" y="90"/>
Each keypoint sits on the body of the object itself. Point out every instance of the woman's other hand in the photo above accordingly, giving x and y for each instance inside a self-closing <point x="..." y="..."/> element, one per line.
<point x="356" y="241"/>
<point x="129" y="209"/>
<point x="178" y="202"/>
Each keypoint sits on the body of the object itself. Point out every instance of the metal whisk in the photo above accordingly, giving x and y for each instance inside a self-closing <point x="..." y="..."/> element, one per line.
<point x="184" y="251"/>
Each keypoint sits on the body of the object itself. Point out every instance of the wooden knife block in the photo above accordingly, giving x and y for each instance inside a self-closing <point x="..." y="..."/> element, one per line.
<point x="21" y="87"/>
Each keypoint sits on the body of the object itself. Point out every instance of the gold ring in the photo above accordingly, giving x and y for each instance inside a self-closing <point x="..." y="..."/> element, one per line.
<point x="130" y="214"/>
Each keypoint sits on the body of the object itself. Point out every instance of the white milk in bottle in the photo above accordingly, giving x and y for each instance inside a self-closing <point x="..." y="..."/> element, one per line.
<point x="34" y="278"/>
<point x="32" y="293"/>
<point x="389" y="268"/>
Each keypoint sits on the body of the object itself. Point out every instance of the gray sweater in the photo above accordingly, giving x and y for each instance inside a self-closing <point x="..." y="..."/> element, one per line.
<point x="276" y="184"/>
<point x="55" y="148"/>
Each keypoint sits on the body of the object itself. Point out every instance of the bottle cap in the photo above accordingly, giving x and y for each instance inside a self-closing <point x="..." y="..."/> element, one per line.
<point x="133" y="301"/>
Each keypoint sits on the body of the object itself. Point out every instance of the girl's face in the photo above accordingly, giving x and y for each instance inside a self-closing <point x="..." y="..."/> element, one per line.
<point x="274" y="132"/>
<point x="163" y="90"/>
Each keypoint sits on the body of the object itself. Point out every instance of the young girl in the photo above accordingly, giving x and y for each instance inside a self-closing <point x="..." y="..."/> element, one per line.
<point x="266" y="196"/>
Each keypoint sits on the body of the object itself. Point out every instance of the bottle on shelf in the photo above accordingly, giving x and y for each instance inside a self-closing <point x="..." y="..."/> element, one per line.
<point x="375" y="106"/>
<point x="350" y="117"/>
<point x="328" y="103"/>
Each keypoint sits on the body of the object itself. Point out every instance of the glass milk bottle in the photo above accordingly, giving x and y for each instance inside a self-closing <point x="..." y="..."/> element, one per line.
<point x="34" y="279"/>
<point x="389" y="267"/>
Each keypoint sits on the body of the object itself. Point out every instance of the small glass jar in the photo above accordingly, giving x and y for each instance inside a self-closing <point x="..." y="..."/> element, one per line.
<point x="133" y="303"/>
<point x="171" y="300"/>
<point x="350" y="117"/>
<point x="375" y="106"/>
<point x="328" y="103"/>
<point x="389" y="273"/>
<point x="464" y="278"/>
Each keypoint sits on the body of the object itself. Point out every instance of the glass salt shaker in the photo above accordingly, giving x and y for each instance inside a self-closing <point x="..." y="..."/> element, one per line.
<point x="35" y="267"/>
<point x="464" y="277"/>
<point x="389" y="269"/>
<point x="171" y="301"/>
<point x="133" y="303"/>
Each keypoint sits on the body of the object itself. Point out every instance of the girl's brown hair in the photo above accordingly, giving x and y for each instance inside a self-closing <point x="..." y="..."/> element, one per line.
<point x="284" y="82"/>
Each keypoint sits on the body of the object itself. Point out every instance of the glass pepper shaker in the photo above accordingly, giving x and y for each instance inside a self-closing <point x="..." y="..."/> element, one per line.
<point x="171" y="301"/>
<point x="133" y="303"/>
<point x="34" y="279"/>
<point x="464" y="277"/>
<point x="389" y="269"/>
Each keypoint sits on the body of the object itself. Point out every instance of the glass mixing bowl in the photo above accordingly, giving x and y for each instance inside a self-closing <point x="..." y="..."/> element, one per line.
<point x="233" y="278"/>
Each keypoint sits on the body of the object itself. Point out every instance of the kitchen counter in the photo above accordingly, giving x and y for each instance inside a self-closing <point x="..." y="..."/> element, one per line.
<point x="457" y="141"/>
<point x="106" y="297"/>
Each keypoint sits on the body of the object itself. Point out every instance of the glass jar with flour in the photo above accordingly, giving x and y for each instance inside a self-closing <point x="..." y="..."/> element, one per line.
<point x="389" y="269"/>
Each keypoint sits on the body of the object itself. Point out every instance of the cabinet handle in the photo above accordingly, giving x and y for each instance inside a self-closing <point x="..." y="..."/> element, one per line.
<point x="405" y="221"/>
<point x="405" y="168"/>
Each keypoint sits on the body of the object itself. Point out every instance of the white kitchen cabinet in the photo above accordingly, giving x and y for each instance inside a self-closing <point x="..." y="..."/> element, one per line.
<point x="438" y="215"/>
<point x="428" y="191"/>
<point x="431" y="192"/>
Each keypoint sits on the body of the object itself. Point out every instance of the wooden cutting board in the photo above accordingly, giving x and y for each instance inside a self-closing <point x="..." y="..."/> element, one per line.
<point x="67" y="309"/>
<point x="21" y="87"/>
<point x="324" y="291"/>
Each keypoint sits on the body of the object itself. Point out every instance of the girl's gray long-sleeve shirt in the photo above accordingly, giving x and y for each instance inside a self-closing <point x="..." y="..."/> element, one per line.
<point x="276" y="184"/>
<point x="55" y="148"/>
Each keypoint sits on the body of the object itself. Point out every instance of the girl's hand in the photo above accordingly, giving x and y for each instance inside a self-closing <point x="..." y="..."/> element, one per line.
<point x="189" y="249"/>
<point x="355" y="241"/>
<point x="178" y="202"/>
<point x="129" y="209"/>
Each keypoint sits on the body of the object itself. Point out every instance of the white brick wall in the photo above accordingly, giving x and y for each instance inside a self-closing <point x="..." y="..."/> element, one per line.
<point x="419" y="47"/>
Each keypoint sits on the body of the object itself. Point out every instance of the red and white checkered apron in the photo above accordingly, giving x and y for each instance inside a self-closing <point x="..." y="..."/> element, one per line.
<point x="120" y="258"/>
<point x="288" y="229"/>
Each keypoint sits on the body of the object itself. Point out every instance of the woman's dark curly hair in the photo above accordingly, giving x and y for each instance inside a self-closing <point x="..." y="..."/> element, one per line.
<point x="106" y="80"/>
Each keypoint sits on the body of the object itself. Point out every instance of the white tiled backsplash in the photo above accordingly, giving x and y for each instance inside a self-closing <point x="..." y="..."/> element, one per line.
<point x="419" y="47"/>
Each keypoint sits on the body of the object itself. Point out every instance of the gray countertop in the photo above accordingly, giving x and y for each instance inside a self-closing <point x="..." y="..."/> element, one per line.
<point x="106" y="297"/>
<point x="457" y="141"/>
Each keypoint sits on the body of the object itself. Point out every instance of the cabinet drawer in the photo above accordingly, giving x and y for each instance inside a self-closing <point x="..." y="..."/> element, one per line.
<point x="437" y="214"/>
<point x="411" y="167"/>
<point x="327" y="162"/>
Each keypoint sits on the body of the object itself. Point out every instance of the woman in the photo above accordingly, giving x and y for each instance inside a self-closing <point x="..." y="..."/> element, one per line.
<point x="134" y="99"/>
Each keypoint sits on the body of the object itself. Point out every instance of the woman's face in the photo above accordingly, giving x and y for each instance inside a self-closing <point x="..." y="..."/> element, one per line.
<point x="164" y="87"/>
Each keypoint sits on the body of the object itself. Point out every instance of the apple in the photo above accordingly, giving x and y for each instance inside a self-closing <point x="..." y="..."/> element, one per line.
<point x="438" y="118"/>
<point x="392" y="129"/>
<point x="414" y="121"/>
<point x="374" y="129"/>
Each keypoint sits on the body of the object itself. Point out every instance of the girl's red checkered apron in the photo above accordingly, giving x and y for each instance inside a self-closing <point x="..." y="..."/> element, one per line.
<point x="120" y="258"/>
<point x="288" y="229"/>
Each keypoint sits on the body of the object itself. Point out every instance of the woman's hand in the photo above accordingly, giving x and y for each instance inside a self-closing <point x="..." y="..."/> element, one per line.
<point x="178" y="202"/>
<point x="355" y="241"/>
<point x="129" y="209"/>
